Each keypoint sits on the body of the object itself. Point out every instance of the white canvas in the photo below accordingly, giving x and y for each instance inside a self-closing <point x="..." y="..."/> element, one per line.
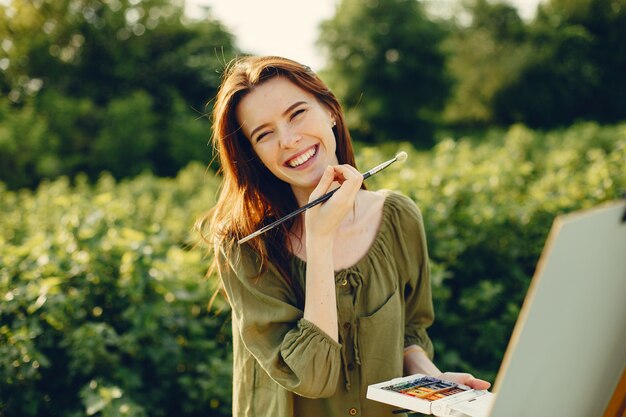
<point x="568" y="348"/>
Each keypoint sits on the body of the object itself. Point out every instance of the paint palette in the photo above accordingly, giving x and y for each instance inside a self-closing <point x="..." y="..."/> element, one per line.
<point x="430" y="395"/>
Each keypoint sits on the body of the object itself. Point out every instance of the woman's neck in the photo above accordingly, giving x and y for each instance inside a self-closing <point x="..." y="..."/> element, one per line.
<point x="302" y="195"/>
<point x="298" y="231"/>
<point x="354" y="236"/>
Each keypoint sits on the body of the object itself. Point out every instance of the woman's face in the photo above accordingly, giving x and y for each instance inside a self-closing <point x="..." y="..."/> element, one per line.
<point x="290" y="131"/>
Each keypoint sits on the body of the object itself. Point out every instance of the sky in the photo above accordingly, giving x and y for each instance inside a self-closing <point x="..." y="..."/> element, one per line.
<point x="287" y="28"/>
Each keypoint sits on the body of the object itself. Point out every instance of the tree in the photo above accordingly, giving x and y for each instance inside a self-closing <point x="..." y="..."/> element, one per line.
<point x="27" y="150"/>
<point x="565" y="65"/>
<point x="386" y="65"/>
<point x="578" y="68"/>
<point x="83" y="65"/>
<point x="485" y="56"/>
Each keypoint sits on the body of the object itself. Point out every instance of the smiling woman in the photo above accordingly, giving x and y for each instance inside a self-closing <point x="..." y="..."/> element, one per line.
<point x="290" y="132"/>
<point x="330" y="301"/>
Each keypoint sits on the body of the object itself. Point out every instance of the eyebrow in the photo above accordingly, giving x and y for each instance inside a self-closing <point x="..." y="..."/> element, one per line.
<point x="290" y="108"/>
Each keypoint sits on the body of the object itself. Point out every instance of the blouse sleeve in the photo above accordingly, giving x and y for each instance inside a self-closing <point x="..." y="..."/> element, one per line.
<point x="293" y="351"/>
<point x="419" y="311"/>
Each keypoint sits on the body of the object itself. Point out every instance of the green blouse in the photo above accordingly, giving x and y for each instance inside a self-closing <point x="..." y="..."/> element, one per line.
<point x="286" y="366"/>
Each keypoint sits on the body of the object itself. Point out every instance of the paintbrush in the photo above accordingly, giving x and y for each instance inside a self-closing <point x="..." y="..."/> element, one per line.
<point x="400" y="157"/>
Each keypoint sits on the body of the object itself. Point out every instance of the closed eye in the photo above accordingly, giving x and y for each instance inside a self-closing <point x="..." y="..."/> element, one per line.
<point x="297" y="113"/>
<point x="261" y="136"/>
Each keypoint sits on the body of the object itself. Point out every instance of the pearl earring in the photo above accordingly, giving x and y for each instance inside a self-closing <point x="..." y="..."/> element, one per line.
<point x="334" y="123"/>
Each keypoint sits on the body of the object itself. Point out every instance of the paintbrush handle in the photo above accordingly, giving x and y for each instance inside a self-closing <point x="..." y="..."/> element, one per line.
<point x="319" y="200"/>
<point x="289" y="216"/>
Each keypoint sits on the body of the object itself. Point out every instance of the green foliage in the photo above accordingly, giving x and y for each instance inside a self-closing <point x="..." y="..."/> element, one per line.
<point x="484" y="57"/>
<point x="104" y="308"/>
<point x="27" y="150"/>
<point x="565" y="65"/>
<point x="124" y="146"/>
<point x="106" y="85"/>
<point x="387" y="67"/>
<point x="577" y="70"/>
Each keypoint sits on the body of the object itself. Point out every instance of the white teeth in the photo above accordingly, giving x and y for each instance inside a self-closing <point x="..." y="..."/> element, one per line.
<point x="302" y="158"/>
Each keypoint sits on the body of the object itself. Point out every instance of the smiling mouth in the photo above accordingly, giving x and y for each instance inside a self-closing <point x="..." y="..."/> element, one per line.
<point x="303" y="158"/>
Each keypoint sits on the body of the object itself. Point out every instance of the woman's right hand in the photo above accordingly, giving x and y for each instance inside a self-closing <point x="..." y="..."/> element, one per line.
<point x="323" y="220"/>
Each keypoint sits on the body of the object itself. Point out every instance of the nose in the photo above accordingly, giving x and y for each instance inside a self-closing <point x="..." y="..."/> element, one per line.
<point x="289" y="139"/>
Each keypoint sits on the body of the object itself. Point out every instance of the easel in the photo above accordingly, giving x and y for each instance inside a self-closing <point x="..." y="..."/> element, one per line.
<point x="617" y="404"/>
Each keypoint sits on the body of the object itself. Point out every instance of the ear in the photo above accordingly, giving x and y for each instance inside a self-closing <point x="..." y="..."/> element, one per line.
<point x="333" y="122"/>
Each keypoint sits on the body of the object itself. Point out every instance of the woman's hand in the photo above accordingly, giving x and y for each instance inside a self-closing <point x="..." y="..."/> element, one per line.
<point x="417" y="362"/>
<point x="324" y="219"/>
<point x="321" y="223"/>
<point x="465" y="379"/>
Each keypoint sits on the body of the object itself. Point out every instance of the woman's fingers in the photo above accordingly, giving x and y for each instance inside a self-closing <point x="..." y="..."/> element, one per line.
<point x="335" y="177"/>
<point x="350" y="180"/>
<point x="479" y="384"/>
<point x="465" y="379"/>
<point x="325" y="217"/>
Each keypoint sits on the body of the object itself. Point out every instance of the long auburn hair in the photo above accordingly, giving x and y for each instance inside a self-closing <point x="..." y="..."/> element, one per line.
<point x="250" y="195"/>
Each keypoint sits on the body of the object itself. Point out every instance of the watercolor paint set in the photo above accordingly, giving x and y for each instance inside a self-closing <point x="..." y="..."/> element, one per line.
<point x="428" y="395"/>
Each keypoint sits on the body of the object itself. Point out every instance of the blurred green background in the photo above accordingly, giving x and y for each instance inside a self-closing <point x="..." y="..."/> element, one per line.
<point x="103" y="169"/>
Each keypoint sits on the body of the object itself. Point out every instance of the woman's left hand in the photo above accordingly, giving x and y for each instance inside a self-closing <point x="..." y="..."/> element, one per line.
<point x="465" y="379"/>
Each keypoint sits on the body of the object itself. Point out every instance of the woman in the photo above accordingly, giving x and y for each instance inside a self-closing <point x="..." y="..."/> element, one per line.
<point x="336" y="299"/>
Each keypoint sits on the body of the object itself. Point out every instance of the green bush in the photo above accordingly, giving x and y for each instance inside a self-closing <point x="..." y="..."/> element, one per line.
<point x="27" y="149"/>
<point x="104" y="304"/>
<point x="104" y="307"/>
